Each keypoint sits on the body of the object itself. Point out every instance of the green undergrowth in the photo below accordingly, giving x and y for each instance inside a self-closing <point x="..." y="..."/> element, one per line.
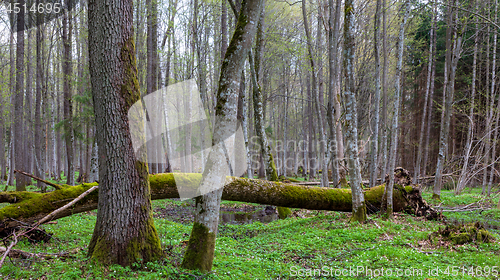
<point x="469" y="207"/>
<point x="283" y="249"/>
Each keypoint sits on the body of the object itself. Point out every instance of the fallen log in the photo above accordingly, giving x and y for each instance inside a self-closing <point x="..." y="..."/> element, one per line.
<point x="29" y="207"/>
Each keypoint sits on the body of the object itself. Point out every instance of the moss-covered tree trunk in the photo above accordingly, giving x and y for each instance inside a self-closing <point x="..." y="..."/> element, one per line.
<point x="124" y="231"/>
<point x="351" y="116"/>
<point x="201" y="246"/>
<point x="29" y="207"/>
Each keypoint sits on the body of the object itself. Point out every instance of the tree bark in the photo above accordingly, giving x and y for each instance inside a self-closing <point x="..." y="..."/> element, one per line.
<point x="462" y="181"/>
<point x="201" y="246"/>
<point x="18" y="147"/>
<point x="316" y="101"/>
<point x="68" y="103"/>
<point x="493" y="90"/>
<point x="383" y="125"/>
<point x="39" y="128"/>
<point x="333" y="84"/>
<point x="376" y="109"/>
<point x="351" y="116"/>
<point x="124" y="233"/>
<point x="395" y="118"/>
<point x="29" y="207"/>
<point x="453" y="55"/>
<point x="418" y="164"/>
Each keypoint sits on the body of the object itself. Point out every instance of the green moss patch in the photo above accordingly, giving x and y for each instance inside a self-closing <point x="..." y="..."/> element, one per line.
<point x="463" y="234"/>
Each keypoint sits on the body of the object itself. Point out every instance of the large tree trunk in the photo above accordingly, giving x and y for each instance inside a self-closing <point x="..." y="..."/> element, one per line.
<point x="124" y="231"/>
<point x="351" y="116"/>
<point x="29" y="207"/>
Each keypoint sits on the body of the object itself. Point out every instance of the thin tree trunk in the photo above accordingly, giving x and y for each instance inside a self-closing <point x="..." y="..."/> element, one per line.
<point x="376" y="111"/>
<point x="19" y="155"/>
<point x="418" y="164"/>
<point x="201" y="246"/>
<point x="395" y="119"/>
<point x="383" y="126"/>
<point x="493" y="84"/>
<point x="429" y="115"/>
<point x="12" y="84"/>
<point x="333" y="85"/>
<point x="316" y="101"/>
<point x="39" y="128"/>
<point x="453" y="55"/>
<point x="68" y="103"/>
<point x="351" y="116"/>
<point x="463" y="175"/>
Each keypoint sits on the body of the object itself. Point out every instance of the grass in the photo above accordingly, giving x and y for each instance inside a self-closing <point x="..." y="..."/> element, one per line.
<point x="283" y="249"/>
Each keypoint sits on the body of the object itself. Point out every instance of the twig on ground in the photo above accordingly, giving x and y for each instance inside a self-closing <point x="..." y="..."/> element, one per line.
<point x="12" y="244"/>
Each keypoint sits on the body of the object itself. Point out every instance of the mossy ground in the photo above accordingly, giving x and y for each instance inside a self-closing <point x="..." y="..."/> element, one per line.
<point x="306" y="240"/>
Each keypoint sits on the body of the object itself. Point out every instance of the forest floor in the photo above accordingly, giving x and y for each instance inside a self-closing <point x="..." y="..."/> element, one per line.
<point x="254" y="244"/>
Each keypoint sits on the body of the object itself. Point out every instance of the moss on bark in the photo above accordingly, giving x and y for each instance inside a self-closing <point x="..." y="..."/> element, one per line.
<point x="201" y="247"/>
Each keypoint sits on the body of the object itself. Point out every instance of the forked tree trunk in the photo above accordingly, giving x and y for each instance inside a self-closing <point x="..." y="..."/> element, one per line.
<point x="124" y="233"/>
<point x="351" y="116"/>
<point x="201" y="246"/>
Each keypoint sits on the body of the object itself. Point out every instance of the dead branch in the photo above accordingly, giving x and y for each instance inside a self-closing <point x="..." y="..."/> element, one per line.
<point x="56" y="186"/>
<point x="12" y="244"/>
<point x="54" y="213"/>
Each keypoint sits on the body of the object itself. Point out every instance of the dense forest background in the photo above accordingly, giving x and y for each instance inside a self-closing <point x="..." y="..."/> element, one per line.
<point x="449" y="82"/>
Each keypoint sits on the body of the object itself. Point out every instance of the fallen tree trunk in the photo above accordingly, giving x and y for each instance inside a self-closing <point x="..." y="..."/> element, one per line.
<point x="29" y="207"/>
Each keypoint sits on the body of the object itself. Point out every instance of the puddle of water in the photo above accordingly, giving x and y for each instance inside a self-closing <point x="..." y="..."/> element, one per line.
<point x="262" y="215"/>
<point x="228" y="215"/>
